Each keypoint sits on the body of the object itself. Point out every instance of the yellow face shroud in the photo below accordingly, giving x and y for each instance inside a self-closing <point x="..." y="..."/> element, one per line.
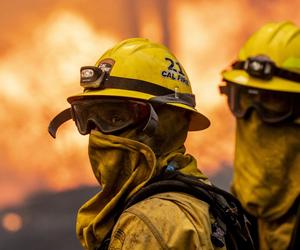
<point x="266" y="166"/>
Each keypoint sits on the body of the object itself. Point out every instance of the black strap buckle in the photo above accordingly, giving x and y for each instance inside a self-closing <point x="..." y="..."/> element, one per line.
<point x="217" y="235"/>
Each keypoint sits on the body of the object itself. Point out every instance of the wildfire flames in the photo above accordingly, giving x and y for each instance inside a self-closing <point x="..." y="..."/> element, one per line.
<point x="39" y="69"/>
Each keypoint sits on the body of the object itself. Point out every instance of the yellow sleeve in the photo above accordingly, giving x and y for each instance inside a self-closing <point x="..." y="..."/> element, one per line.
<point x="132" y="233"/>
<point x="164" y="222"/>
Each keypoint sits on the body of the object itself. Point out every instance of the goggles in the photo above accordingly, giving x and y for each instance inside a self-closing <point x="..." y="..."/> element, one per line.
<point x="272" y="106"/>
<point x="110" y="116"/>
<point x="263" y="67"/>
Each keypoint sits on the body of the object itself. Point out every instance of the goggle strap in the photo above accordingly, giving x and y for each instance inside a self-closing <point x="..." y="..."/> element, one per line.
<point x="224" y="89"/>
<point x="58" y="120"/>
<point x="280" y="72"/>
<point x="286" y="74"/>
<point x="187" y="99"/>
<point x="238" y="65"/>
<point x="152" y="122"/>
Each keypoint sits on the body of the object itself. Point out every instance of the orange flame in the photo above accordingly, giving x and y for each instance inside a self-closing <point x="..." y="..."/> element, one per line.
<point x="36" y="79"/>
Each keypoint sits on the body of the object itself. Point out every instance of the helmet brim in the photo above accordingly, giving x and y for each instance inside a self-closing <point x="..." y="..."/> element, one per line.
<point x="198" y="120"/>
<point x="276" y="84"/>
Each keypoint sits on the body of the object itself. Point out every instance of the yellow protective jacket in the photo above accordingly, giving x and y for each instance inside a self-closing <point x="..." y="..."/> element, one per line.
<point x="123" y="165"/>
<point x="164" y="221"/>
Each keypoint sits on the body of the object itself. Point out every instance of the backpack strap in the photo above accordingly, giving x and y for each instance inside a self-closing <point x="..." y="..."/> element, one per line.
<point x="230" y="219"/>
<point x="105" y="243"/>
<point x="295" y="239"/>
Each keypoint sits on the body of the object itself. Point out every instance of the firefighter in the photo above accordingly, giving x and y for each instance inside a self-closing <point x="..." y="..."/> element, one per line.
<point x="137" y="108"/>
<point x="263" y="93"/>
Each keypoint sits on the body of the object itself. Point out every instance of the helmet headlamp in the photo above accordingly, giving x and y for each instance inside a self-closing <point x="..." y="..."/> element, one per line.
<point x="91" y="77"/>
<point x="260" y="66"/>
<point x="264" y="68"/>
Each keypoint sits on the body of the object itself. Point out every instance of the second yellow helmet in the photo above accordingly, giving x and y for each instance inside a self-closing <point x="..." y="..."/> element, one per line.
<point x="270" y="59"/>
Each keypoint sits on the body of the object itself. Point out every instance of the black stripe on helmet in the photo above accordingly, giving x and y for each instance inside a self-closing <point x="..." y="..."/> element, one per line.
<point x="162" y="94"/>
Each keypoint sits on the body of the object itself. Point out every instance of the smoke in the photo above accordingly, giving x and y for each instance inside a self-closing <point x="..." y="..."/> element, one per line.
<point x="44" y="43"/>
<point x="36" y="78"/>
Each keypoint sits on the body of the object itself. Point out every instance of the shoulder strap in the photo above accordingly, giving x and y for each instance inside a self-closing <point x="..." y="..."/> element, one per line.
<point x="225" y="208"/>
<point x="295" y="239"/>
<point x="231" y="222"/>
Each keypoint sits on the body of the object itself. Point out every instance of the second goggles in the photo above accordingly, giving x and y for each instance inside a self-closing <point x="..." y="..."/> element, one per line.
<point x="272" y="106"/>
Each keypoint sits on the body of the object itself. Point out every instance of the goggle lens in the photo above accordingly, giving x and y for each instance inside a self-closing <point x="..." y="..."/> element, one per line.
<point x="108" y="116"/>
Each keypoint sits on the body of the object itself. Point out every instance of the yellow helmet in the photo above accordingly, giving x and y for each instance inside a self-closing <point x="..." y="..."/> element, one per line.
<point x="138" y="69"/>
<point x="270" y="59"/>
